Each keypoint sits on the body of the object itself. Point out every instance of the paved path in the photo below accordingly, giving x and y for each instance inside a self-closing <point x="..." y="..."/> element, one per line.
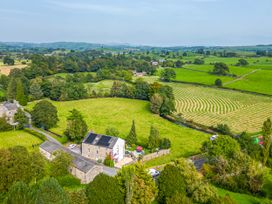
<point x="241" y="77"/>
<point x="47" y="135"/>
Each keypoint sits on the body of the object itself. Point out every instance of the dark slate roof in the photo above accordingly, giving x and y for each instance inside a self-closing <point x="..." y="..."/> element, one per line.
<point x="10" y="106"/>
<point x="100" y="140"/>
<point x="79" y="161"/>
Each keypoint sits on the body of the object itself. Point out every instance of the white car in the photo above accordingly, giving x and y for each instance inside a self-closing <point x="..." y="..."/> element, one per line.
<point x="212" y="138"/>
<point x="71" y="146"/>
<point x="153" y="172"/>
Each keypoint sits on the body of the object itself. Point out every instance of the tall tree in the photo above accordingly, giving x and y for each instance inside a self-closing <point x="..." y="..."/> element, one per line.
<point x="60" y="165"/>
<point x="21" y="119"/>
<point x="155" y="103"/>
<point x="167" y="107"/>
<point x="20" y="92"/>
<point x="19" y="193"/>
<point x="267" y="139"/>
<point x="44" y="115"/>
<point x="220" y="68"/>
<point x="11" y="90"/>
<point x="144" y="189"/>
<point x="104" y="190"/>
<point x="50" y="192"/>
<point x="35" y="90"/>
<point x="76" y="126"/>
<point x="154" y="138"/>
<point x="37" y="165"/>
<point x="132" y="136"/>
<point x="168" y="74"/>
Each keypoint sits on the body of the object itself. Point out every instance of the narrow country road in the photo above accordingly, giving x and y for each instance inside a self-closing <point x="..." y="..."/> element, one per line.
<point x="47" y="135"/>
<point x="241" y="77"/>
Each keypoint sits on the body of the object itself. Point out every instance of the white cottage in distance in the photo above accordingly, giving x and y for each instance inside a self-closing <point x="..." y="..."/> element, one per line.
<point x="97" y="147"/>
<point x="8" y="110"/>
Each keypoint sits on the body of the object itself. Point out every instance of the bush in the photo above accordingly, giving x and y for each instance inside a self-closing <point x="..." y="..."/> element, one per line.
<point x="4" y="126"/>
<point x="218" y="82"/>
<point x="68" y="181"/>
<point x="109" y="161"/>
<point x="165" y="143"/>
<point x="224" y="129"/>
<point x="198" y="61"/>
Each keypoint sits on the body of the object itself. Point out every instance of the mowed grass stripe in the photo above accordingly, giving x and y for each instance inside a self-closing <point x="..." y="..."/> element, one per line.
<point x="222" y="106"/>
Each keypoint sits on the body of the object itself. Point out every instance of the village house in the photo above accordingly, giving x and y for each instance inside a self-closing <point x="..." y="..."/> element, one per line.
<point x="155" y="63"/>
<point x="8" y="110"/>
<point x="97" y="147"/>
<point x="82" y="168"/>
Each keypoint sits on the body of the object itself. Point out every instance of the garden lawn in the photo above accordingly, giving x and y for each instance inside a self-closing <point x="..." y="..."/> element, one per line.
<point x="15" y="138"/>
<point x="119" y="113"/>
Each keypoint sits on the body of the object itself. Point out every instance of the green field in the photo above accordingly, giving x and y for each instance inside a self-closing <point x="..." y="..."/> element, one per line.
<point x="119" y="113"/>
<point x="240" y="198"/>
<point x="255" y="77"/>
<point x="211" y="106"/>
<point x="260" y="81"/>
<point x="14" y="138"/>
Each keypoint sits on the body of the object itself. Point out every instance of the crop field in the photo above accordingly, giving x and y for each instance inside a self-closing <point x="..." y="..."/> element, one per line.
<point x="211" y="106"/>
<point x="6" y="69"/>
<point x="15" y="138"/>
<point x="119" y="113"/>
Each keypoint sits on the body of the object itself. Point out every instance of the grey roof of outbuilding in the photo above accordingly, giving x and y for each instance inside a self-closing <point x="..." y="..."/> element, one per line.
<point x="79" y="161"/>
<point x="97" y="140"/>
<point x="10" y="106"/>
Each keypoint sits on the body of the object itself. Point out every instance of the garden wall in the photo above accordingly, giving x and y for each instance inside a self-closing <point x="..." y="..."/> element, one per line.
<point x="156" y="154"/>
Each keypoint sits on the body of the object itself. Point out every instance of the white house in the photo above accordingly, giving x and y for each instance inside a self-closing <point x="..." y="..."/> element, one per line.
<point x="8" y="110"/>
<point x="97" y="147"/>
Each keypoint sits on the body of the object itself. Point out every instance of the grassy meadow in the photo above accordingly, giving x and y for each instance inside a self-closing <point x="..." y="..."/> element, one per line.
<point x="119" y="113"/>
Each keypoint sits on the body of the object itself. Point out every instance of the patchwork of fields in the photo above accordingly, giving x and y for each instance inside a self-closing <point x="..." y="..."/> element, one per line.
<point x="255" y="77"/>
<point x="210" y="106"/>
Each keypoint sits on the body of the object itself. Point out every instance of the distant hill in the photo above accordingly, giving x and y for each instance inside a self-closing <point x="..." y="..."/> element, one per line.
<point x="17" y="46"/>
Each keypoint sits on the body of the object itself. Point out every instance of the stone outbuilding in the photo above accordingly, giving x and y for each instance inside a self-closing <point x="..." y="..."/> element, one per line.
<point x="82" y="168"/>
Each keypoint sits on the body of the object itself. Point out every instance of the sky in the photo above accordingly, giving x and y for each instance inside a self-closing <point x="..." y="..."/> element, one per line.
<point x="138" y="22"/>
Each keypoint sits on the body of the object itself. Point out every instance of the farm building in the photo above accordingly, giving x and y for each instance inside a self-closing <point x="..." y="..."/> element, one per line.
<point x="82" y="168"/>
<point x="8" y="110"/>
<point x="97" y="147"/>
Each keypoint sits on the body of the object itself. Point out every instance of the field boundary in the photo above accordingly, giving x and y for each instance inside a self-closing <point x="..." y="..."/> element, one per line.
<point x="241" y="77"/>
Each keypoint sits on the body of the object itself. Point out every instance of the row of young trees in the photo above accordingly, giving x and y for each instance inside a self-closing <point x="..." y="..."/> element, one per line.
<point x="155" y="142"/>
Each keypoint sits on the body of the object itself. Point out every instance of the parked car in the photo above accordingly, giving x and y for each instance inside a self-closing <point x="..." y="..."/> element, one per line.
<point x="153" y="172"/>
<point x="71" y="146"/>
<point x="212" y="138"/>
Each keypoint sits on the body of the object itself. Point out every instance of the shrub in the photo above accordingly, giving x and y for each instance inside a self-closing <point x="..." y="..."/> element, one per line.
<point x="218" y="82"/>
<point x="109" y="161"/>
<point x="165" y="143"/>
<point x="68" y="181"/>
<point x="4" y="126"/>
<point x="224" y="129"/>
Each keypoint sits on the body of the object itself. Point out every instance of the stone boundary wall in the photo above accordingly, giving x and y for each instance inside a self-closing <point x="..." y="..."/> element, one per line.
<point x="155" y="155"/>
